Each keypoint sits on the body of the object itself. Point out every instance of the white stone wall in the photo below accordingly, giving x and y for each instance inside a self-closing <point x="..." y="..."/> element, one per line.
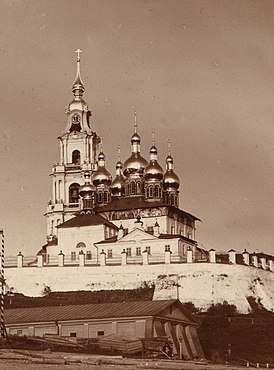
<point x="201" y="283"/>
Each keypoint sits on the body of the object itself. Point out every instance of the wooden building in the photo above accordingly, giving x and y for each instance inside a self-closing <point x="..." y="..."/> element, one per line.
<point x="143" y="319"/>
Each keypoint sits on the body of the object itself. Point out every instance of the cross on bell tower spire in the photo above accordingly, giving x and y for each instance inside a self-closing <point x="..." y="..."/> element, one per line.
<point x="78" y="85"/>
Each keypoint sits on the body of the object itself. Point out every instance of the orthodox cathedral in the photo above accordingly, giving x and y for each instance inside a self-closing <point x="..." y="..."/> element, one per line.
<point x="90" y="213"/>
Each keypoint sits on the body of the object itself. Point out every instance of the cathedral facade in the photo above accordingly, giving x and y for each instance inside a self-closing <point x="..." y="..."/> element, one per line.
<point x="90" y="213"/>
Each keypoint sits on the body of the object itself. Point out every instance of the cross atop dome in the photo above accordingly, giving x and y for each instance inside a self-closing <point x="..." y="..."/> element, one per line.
<point x="78" y="51"/>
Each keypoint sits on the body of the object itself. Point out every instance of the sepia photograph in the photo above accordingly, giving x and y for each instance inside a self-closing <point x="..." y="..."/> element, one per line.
<point x="137" y="182"/>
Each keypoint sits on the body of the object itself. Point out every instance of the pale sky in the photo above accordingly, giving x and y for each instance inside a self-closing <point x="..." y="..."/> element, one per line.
<point x="200" y="73"/>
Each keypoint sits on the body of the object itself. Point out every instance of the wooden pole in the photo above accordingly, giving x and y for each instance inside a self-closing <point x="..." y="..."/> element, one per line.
<point x="2" y="278"/>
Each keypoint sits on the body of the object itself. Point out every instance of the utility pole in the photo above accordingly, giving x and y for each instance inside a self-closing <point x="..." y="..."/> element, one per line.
<point x="2" y="282"/>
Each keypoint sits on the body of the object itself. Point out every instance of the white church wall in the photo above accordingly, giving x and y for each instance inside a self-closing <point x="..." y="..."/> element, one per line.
<point x="201" y="283"/>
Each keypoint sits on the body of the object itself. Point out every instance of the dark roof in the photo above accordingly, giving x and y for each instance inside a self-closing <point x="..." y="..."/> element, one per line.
<point x="113" y="239"/>
<point x="128" y="203"/>
<point x="88" y="311"/>
<point x="174" y="236"/>
<point x="89" y="219"/>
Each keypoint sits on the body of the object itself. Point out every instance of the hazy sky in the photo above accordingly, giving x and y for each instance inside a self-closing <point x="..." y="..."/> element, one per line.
<point x="200" y="73"/>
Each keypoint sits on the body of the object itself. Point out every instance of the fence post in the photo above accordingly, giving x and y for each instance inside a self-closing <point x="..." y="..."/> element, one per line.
<point x="145" y="257"/>
<point x="168" y="256"/>
<point x="103" y="258"/>
<point x="232" y="256"/>
<point x="246" y="257"/>
<point x="61" y="259"/>
<point x="20" y="258"/>
<point x="81" y="258"/>
<point x="189" y="255"/>
<point x="263" y="263"/>
<point x="254" y="259"/>
<point x="212" y="256"/>
<point x="270" y="265"/>
<point x="39" y="260"/>
<point x="124" y="257"/>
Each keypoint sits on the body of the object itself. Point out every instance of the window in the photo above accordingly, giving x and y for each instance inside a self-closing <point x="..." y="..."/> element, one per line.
<point x="100" y="333"/>
<point x="19" y="332"/>
<point x="81" y="245"/>
<point x="138" y="251"/>
<point x="157" y="191"/>
<point x="172" y="200"/>
<point x="139" y="187"/>
<point x="150" y="229"/>
<point x="172" y="229"/>
<point x="72" y="334"/>
<point x="105" y="197"/>
<point x="148" y="250"/>
<point x="125" y="231"/>
<point x="74" y="193"/>
<point x="89" y="255"/>
<point x="129" y="252"/>
<point x="73" y="256"/>
<point x="76" y="157"/>
<point x="133" y="188"/>
<point x="100" y="197"/>
<point x="150" y="192"/>
<point x="109" y="253"/>
<point x="167" y="248"/>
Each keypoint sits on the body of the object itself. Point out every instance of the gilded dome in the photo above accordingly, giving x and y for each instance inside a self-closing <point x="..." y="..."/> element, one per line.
<point x="118" y="184"/>
<point x="135" y="138"/>
<point x="87" y="189"/>
<point x="101" y="176"/>
<point x="153" y="171"/>
<point x="135" y="163"/>
<point x="171" y="180"/>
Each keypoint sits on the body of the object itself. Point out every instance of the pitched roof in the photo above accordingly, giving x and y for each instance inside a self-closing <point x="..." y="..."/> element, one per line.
<point x="90" y="219"/>
<point x="88" y="311"/>
<point x="129" y="203"/>
<point x="174" y="236"/>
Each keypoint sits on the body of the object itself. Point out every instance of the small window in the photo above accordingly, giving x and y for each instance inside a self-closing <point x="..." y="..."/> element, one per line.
<point x="105" y="197"/>
<point x="148" y="250"/>
<point x="129" y="252"/>
<point x="150" y="229"/>
<point x="100" y="333"/>
<point x="167" y="248"/>
<point x="138" y="251"/>
<point x="150" y="192"/>
<point x="100" y="197"/>
<point x="89" y="255"/>
<point x="76" y="157"/>
<point x="81" y="245"/>
<point x="73" y="256"/>
<point x="133" y="188"/>
<point x="125" y="231"/>
<point x="172" y="229"/>
<point x="109" y="253"/>
<point x="72" y="334"/>
<point x="157" y="191"/>
<point x="19" y="332"/>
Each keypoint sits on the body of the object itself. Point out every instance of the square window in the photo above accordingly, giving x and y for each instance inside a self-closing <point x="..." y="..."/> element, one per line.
<point x="148" y="250"/>
<point x="167" y="248"/>
<point x="100" y="333"/>
<point x="89" y="255"/>
<point x="129" y="252"/>
<point x="72" y="334"/>
<point x="109" y="253"/>
<point x="138" y="251"/>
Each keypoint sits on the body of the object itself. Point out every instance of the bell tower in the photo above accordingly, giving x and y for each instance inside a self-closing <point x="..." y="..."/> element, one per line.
<point x="78" y="152"/>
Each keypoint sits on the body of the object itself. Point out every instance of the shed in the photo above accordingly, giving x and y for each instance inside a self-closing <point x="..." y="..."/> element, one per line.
<point x="142" y="319"/>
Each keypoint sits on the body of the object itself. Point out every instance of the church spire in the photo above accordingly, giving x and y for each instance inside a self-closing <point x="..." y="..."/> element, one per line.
<point x="78" y="85"/>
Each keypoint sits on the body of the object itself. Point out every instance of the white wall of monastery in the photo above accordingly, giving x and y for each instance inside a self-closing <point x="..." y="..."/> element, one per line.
<point x="201" y="283"/>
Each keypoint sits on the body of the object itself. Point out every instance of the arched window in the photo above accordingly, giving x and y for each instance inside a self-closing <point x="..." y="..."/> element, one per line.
<point x="157" y="191"/>
<point x="106" y="197"/>
<point x="74" y="193"/>
<point x="172" y="200"/>
<point x="139" y="187"/>
<point x="100" y="197"/>
<point x="150" y="192"/>
<point x="76" y="157"/>
<point x="133" y="188"/>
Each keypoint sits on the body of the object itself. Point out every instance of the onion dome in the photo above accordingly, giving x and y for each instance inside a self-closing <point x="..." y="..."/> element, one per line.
<point x="171" y="180"/>
<point x="118" y="184"/>
<point x="135" y="163"/>
<point x="87" y="189"/>
<point x="153" y="171"/>
<point x="101" y="176"/>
